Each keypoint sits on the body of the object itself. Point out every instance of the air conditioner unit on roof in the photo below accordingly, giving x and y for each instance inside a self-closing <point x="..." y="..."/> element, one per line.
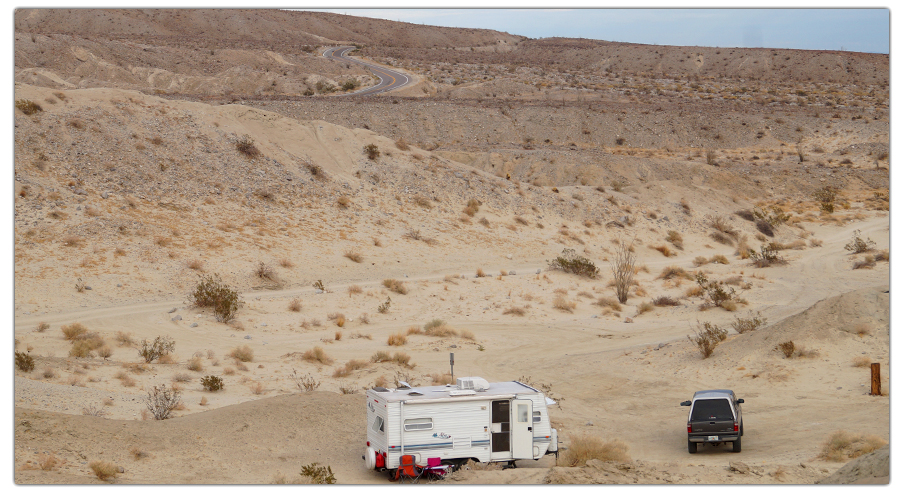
<point x="472" y="383"/>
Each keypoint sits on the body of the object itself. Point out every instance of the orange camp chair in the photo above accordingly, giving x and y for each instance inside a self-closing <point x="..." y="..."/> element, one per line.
<point x="408" y="469"/>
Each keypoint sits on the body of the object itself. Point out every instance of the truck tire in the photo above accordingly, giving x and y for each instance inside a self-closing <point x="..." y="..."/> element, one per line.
<point x="742" y="427"/>
<point x="692" y="447"/>
<point x="736" y="445"/>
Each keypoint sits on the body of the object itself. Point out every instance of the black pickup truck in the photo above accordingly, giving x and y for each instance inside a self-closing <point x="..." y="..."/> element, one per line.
<point x="715" y="418"/>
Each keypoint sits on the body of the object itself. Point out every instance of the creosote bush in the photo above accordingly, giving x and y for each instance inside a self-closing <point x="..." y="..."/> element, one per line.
<point x="212" y="383"/>
<point x="708" y="338"/>
<point x="211" y="292"/>
<point x="716" y="291"/>
<point x="161" y="401"/>
<point x="748" y="324"/>
<point x="858" y="245"/>
<point x="24" y="361"/>
<point x="28" y="107"/>
<point x="318" y="474"/>
<point x="245" y="145"/>
<point x="787" y="348"/>
<point x="576" y="264"/>
<point x="372" y="152"/>
<point x="767" y="256"/>
<point x="160" y="346"/>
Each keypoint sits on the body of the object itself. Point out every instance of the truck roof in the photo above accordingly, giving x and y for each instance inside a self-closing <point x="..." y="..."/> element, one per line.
<point x="714" y="394"/>
<point x="444" y="392"/>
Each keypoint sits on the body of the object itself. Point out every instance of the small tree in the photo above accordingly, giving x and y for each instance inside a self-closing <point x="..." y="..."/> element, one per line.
<point x="708" y="338"/>
<point x="211" y="292"/>
<point x="161" y="401"/>
<point x="623" y="271"/>
<point x="153" y="350"/>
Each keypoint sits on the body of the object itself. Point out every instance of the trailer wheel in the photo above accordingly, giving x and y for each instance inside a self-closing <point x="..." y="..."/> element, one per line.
<point x="455" y="464"/>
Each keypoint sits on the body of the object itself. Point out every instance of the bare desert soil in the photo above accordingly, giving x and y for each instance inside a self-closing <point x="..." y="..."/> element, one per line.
<point x="129" y="188"/>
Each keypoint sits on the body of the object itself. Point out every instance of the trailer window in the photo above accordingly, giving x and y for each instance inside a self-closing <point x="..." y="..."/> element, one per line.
<point x="418" y="424"/>
<point x="378" y="425"/>
<point x="536" y="416"/>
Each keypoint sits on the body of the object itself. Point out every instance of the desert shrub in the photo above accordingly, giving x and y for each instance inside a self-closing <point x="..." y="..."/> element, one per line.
<point x="343" y="201"/>
<point x="318" y="474"/>
<point x="765" y="227"/>
<point x="867" y="263"/>
<point x="644" y="307"/>
<point x="700" y="261"/>
<point x="104" y="470"/>
<point x="245" y="146"/>
<point x="161" y="401"/>
<point x="385" y="306"/>
<point x="708" y="337"/>
<point x="666" y="301"/>
<point x="716" y="291"/>
<point x="560" y="302"/>
<point x="242" y="353"/>
<point x="349" y="367"/>
<point x="674" y="237"/>
<point x="767" y="256"/>
<point x="422" y="201"/>
<point x="350" y="84"/>
<point x="42" y="326"/>
<point x="842" y="446"/>
<point x="720" y="237"/>
<point x="104" y="351"/>
<point x="396" y="339"/>
<point x="608" y="302"/>
<point x="472" y="207"/>
<point x="575" y="264"/>
<point x="353" y="255"/>
<point x="401" y="144"/>
<point x="124" y="339"/>
<point x="826" y="197"/>
<point x="441" y="378"/>
<point x="295" y="305"/>
<point x="24" y="361"/>
<point x="263" y="271"/>
<point x="381" y="357"/>
<point x="516" y="310"/>
<point x="479" y="273"/>
<point x="211" y="292"/>
<point x="718" y="259"/>
<point x="153" y="350"/>
<point x="623" y="270"/>
<point x="395" y="286"/>
<point x="786" y="348"/>
<point x="745" y="214"/>
<point x="306" y="383"/>
<point x="663" y="249"/>
<point x="81" y="349"/>
<point x="670" y="272"/>
<point x="195" y="364"/>
<point x="582" y="448"/>
<point x="212" y="383"/>
<point x="371" y="151"/>
<point x="73" y="331"/>
<point x="317" y="355"/>
<point x="748" y="324"/>
<point x="28" y="107"/>
<point x="316" y="171"/>
<point x="858" y="245"/>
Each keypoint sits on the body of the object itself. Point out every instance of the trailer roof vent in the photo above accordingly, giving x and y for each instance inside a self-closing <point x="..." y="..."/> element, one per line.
<point x="462" y="393"/>
<point x="472" y="384"/>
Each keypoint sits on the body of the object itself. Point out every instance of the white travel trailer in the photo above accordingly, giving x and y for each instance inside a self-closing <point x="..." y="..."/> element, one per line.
<point x="487" y="422"/>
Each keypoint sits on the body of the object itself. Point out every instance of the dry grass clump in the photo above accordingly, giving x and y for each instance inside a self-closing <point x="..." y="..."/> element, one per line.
<point x="242" y="353"/>
<point x="353" y="255"/>
<point x="338" y="318"/>
<point x="396" y="339"/>
<point x="401" y="144"/>
<point x="104" y="470"/>
<point x="708" y="338"/>
<point x="700" y="261"/>
<point x="670" y="272"/>
<point x="674" y="237"/>
<point x="842" y="446"/>
<point x="349" y="367"/>
<point x="643" y="308"/>
<point x="441" y="378"/>
<point x="195" y="264"/>
<point x="663" y="249"/>
<point x="608" y="302"/>
<point x="317" y="355"/>
<point x="787" y="348"/>
<point x="245" y="146"/>
<point x="814" y="242"/>
<point x="582" y="448"/>
<point x="343" y="201"/>
<point x="666" y="301"/>
<point x="395" y="286"/>
<point x="516" y="310"/>
<point x="195" y="364"/>
<point x="472" y="207"/>
<point x="718" y="259"/>
<point x="353" y="289"/>
<point x="295" y="305"/>
<point x="560" y="302"/>
<point x="479" y="273"/>
<point x="401" y="358"/>
<point x="73" y="331"/>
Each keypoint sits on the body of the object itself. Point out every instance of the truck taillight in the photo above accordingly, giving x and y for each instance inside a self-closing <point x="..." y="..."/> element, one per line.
<point x="736" y="427"/>
<point x="690" y="429"/>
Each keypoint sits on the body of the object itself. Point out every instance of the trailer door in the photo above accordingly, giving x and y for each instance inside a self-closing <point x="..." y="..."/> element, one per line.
<point x="522" y="430"/>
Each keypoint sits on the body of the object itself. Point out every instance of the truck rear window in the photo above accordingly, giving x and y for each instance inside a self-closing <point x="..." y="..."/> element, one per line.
<point x="711" y="409"/>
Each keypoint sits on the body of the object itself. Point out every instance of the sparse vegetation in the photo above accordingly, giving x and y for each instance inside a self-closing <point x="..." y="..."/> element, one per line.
<point x="563" y="304"/>
<point x="786" y="348"/>
<point x="583" y="447"/>
<point x="708" y="337"/>
<point x="160" y="346"/>
<point x="242" y="353"/>
<point x="826" y="197"/>
<point x="858" y="245"/>
<point x="767" y="256"/>
<point x="212" y="383"/>
<point x="395" y="286"/>
<point x="623" y="267"/>
<point x="318" y="474"/>
<point x="161" y="401"/>
<point x="24" y="361"/>
<point x="748" y="324"/>
<point x="104" y="470"/>
<point x="73" y="331"/>
<point x="317" y="355"/>
<point x="569" y="262"/>
<point x="295" y="305"/>
<point x="306" y="383"/>
<point x="371" y="151"/>
<point x="353" y="255"/>
<point x="28" y="107"/>
<point x="842" y="446"/>
<point x="246" y="146"/>
<point x="211" y="292"/>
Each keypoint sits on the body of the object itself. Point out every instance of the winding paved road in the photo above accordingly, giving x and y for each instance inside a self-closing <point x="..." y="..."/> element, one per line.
<point x="390" y="79"/>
